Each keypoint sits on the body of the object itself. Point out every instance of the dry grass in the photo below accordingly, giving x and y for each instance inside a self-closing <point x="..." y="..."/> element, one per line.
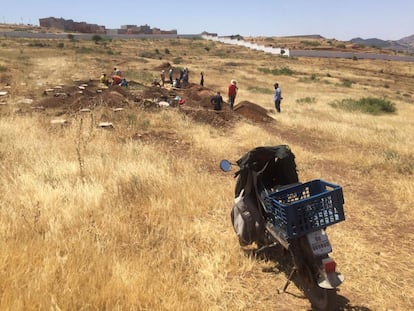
<point x="94" y="219"/>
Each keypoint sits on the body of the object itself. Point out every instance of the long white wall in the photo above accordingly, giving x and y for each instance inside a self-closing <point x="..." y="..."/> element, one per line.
<point x="250" y="45"/>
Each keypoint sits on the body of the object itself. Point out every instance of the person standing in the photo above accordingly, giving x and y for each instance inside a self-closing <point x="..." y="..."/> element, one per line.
<point x="162" y="75"/>
<point x="217" y="101"/>
<point x="117" y="72"/>
<point x="170" y="74"/>
<point x="277" y="97"/>
<point x="201" y="78"/>
<point x="232" y="92"/>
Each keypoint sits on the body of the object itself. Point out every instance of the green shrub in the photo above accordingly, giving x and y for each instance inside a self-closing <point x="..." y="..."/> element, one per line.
<point x="152" y="55"/>
<point x="3" y="68"/>
<point x="311" y="78"/>
<point x="346" y="83"/>
<point x="96" y="38"/>
<point x="310" y="43"/>
<point x="84" y="50"/>
<point x="306" y="100"/>
<point x="231" y="64"/>
<point x="177" y="60"/>
<point x="38" y="44"/>
<point x="278" y="71"/>
<point x="260" y="90"/>
<point x="369" y="105"/>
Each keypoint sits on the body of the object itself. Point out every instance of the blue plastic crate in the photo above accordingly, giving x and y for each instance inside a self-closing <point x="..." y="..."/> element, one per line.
<point x="305" y="207"/>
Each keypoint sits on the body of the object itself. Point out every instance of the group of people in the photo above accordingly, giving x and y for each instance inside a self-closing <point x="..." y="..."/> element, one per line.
<point x="117" y="78"/>
<point x="232" y="89"/>
<point x="181" y="81"/>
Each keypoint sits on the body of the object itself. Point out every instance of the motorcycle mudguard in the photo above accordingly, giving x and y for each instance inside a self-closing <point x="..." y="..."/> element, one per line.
<point x="247" y="221"/>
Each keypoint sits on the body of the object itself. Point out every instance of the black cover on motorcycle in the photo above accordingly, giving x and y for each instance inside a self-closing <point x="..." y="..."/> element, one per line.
<point x="262" y="167"/>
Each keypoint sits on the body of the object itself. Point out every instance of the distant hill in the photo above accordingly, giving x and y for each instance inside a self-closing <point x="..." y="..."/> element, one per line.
<point x="405" y="44"/>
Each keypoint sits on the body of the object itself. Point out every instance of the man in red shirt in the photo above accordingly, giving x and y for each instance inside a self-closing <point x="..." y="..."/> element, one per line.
<point x="232" y="92"/>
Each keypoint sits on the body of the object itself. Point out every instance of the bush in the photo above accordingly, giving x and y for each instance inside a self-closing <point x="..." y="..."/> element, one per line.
<point x="306" y="100"/>
<point x="346" y="83"/>
<point x="84" y="50"/>
<point x="260" y="90"/>
<point x="310" y="43"/>
<point x="231" y="64"/>
<point x="369" y="105"/>
<point x="278" y="71"/>
<point x="96" y="38"/>
<point x="177" y="60"/>
<point x="38" y="44"/>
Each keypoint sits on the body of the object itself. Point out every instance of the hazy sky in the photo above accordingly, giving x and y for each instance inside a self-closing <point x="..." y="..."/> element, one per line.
<point x="342" y="20"/>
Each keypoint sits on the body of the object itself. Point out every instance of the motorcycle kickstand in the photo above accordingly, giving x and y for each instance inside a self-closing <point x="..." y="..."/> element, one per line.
<point x="279" y="291"/>
<point x="263" y="248"/>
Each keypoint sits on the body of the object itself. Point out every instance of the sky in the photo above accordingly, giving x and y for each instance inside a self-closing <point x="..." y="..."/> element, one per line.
<point x="332" y="19"/>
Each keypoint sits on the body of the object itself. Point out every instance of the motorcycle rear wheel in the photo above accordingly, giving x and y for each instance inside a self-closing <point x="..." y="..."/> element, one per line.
<point x="322" y="299"/>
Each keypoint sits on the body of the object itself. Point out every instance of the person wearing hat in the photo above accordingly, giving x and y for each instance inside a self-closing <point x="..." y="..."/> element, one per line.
<point x="277" y="97"/>
<point x="232" y="92"/>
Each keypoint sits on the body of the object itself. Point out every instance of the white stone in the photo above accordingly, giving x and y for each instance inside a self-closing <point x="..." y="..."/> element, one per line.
<point x="106" y="124"/>
<point x="26" y="101"/>
<point x="59" y="121"/>
<point x="163" y="104"/>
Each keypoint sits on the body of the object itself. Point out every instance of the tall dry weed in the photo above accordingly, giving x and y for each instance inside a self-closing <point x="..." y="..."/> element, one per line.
<point x="97" y="219"/>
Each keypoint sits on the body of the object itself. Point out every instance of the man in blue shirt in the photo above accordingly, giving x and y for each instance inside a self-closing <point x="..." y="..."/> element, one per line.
<point x="277" y="97"/>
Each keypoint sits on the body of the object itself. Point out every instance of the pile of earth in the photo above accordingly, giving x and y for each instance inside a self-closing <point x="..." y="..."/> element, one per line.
<point x="91" y="94"/>
<point x="253" y="112"/>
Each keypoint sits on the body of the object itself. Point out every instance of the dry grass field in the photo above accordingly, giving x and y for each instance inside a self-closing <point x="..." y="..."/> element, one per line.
<point x="137" y="217"/>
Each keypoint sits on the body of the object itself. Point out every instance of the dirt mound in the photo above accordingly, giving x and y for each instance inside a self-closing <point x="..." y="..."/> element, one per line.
<point x="197" y="105"/>
<point x="86" y="95"/>
<point x="215" y="118"/>
<point x="252" y="111"/>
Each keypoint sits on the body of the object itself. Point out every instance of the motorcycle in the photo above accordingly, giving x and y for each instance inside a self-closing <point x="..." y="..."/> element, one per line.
<point x="271" y="208"/>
